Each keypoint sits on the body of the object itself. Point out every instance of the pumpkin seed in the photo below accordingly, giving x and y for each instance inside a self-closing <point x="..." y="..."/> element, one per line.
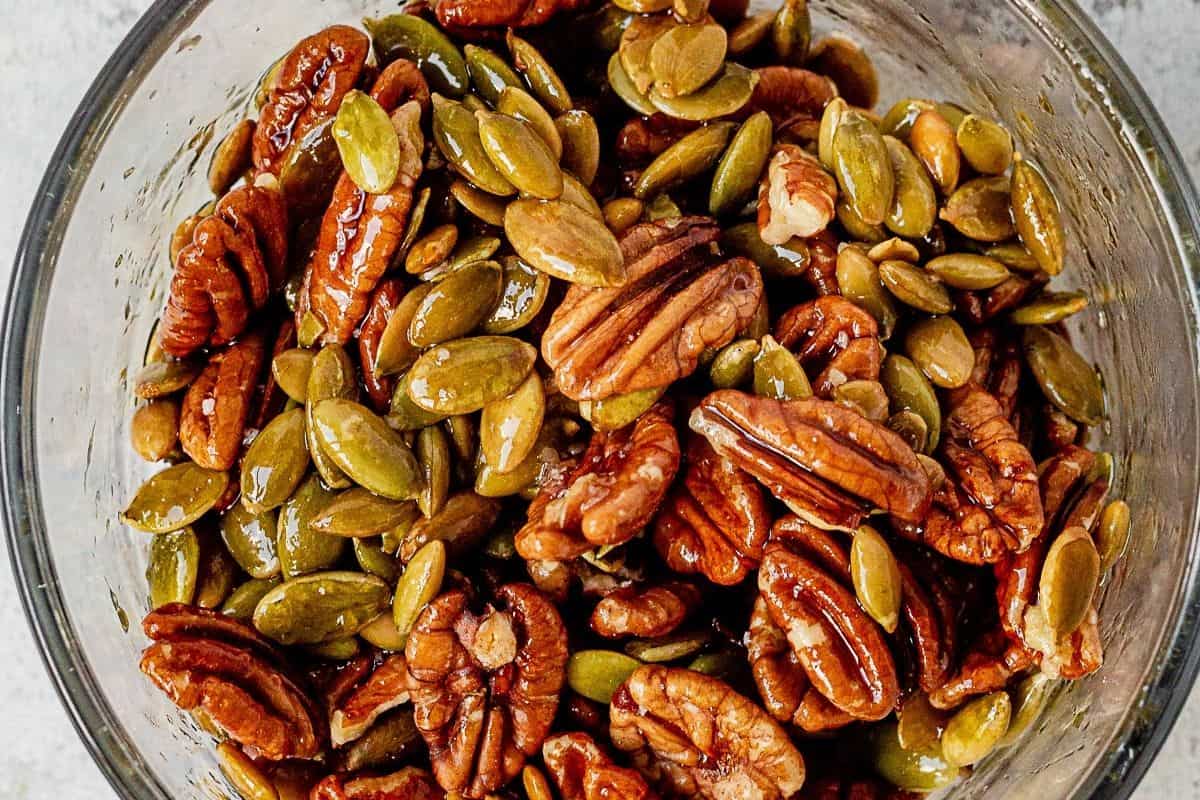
<point x="791" y="32"/>
<point x="231" y="159"/>
<point x="868" y="398"/>
<point x="366" y="449"/>
<point x="217" y="572"/>
<point x="154" y="429"/>
<point x="914" y="204"/>
<point x="465" y="375"/>
<point x="383" y="633"/>
<point x="840" y="58"/>
<point x="915" y="770"/>
<point x="614" y="413"/>
<point x="918" y="724"/>
<point x="911" y="427"/>
<point x="392" y="739"/>
<point x="940" y="348"/>
<point x="622" y="213"/>
<point x="173" y="566"/>
<point x="395" y="353"/>
<point x="976" y="729"/>
<point x="456" y="132"/>
<point x="686" y="57"/>
<point x="332" y="376"/>
<point x="1070" y="575"/>
<point x="489" y="73"/>
<point x="322" y="607"/>
<point x="343" y="648"/>
<point x="457" y="305"/>
<point x="734" y="364"/>
<point x="509" y="426"/>
<point x="1014" y="256"/>
<point x="724" y="664"/>
<point x="486" y="207"/>
<point x="564" y="241"/>
<point x="368" y="143"/>
<point x="418" y="585"/>
<point x="275" y="463"/>
<point x="643" y="6"/>
<point x="934" y="143"/>
<point x="749" y="33"/>
<point x="1112" y="535"/>
<point x="986" y="145"/>
<point x="857" y="227"/>
<point x="980" y="209"/>
<point x="1049" y="308"/>
<point x="461" y="525"/>
<point x="637" y="45"/>
<point x="915" y="287"/>
<point x="291" y="369"/>
<point x="162" y="378"/>
<point x="411" y="37"/>
<point x="359" y="513"/>
<point x="250" y="539"/>
<point x="431" y="249"/>
<point x="181" y="237"/>
<point x="311" y="169"/>
<point x="1030" y="697"/>
<point x="741" y="165"/>
<point x="901" y="117"/>
<point x="968" y="271"/>
<point x="1036" y="214"/>
<point x="469" y="250"/>
<point x="267" y="82"/>
<point x="580" y="144"/>
<point x="520" y="154"/>
<point x="518" y="103"/>
<point x="894" y="249"/>
<point x="1066" y="378"/>
<point x="405" y="415"/>
<point x="523" y="293"/>
<point x="692" y="10"/>
<point x="624" y="88"/>
<point x="952" y="113"/>
<point x="433" y="453"/>
<point x="863" y="167"/>
<point x="777" y="373"/>
<point x="596" y="674"/>
<point x="369" y="553"/>
<point x="667" y="648"/>
<point x="542" y="78"/>
<point x="876" y="577"/>
<point x="490" y="483"/>
<point x="301" y="548"/>
<point x="787" y="260"/>
<point x="690" y="156"/>
<point x="661" y="207"/>
<point x="250" y="781"/>
<point x="175" y="498"/>
<point x="244" y="599"/>
<point x="831" y="117"/>
<point x="908" y="390"/>
<point x="726" y="94"/>
<point x="859" y="281"/>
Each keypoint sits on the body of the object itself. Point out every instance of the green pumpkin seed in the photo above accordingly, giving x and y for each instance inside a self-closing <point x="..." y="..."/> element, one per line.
<point x="1014" y="256"/>
<point x="301" y="548"/>
<point x="470" y="250"/>
<point x="564" y="241"/>
<point x="431" y="249"/>
<point x="1030" y="698"/>
<point x="405" y="415"/>
<point x="1070" y="575"/>
<point x="624" y="88"/>
<point x="859" y="281"/>
<point x="686" y="57"/>
<point x="489" y="73"/>
<point x="863" y="167"/>
<point x="162" y="378"/>
<point x="738" y="172"/>
<point x="368" y="143"/>
<point x="332" y="376"/>
<point x="911" y="427"/>
<point x="154" y="429"/>
<point x="661" y="207"/>
<point x="231" y="159"/>
<point x="250" y="781"/>
<point x="418" y="585"/>
<point x="596" y="674"/>
<point x="509" y="427"/>
<point x="486" y="207"/>
<point x="667" y="648"/>
<point x="724" y="664"/>
<point x="456" y="132"/>
<point x="275" y="463"/>
<point x="843" y="61"/>
<point x="522" y="295"/>
<point x="291" y="369"/>
<point x="366" y="449"/>
<point x="614" y="413"/>
<point x="216" y="575"/>
<point x="914" y="204"/>
<point x="894" y="249"/>
<point x="643" y="6"/>
<point x="520" y="154"/>
<point x="915" y="770"/>
<point x="1036" y="214"/>
<point x="908" y="390"/>
<point x="250" y="539"/>
<point x="359" y="513"/>
<point x="267" y="82"/>
<point x="392" y="739"/>
<point x="934" y="143"/>
<point x="986" y="145"/>
<point x="777" y="373"/>
<point x="637" y="45"/>
<point x="461" y="525"/>
<point x="395" y="352"/>
<point x="976" y="729"/>
<point x="726" y="94"/>
<point x="542" y="78"/>
<point x="787" y="260"/>
<point x="918" y="724"/>
<point x="173" y="567"/>
<point x="383" y="633"/>
<point x="857" y="227"/>
<point x="952" y="113"/>
<point x="371" y="558"/>
<point x="322" y="607"/>
<point x="491" y="483"/>
<point x="901" y="117"/>
<point x="968" y="271"/>
<point x="465" y="375"/>
<point x="831" y="117"/>
<point x="175" y="498"/>
<point x="1112" y="534"/>
<point x="409" y="36"/>
<point x="433" y="453"/>
<point x="940" y="348"/>
<point x="1049" y="308"/>
<point x="580" y="144"/>
<point x="749" y="33"/>
<point x="579" y="196"/>
<point x="518" y="103"/>
<point x="734" y="364"/>
<point x="791" y="32"/>
<point x="473" y="103"/>
<point x="244" y="599"/>
<point x="868" y="398"/>
<point x="876" y="577"/>
<point x="915" y="287"/>
<point x="457" y="305"/>
<point x="311" y="169"/>
<point x="343" y="648"/>
<point x="692" y="155"/>
<point x="690" y="10"/>
<point x="1066" y="378"/>
<point x="980" y="210"/>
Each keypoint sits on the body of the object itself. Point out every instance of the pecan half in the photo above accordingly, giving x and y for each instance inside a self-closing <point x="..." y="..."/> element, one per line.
<point x="930" y="614"/>
<point x="501" y="13"/>
<point x="697" y="737"/>
<point x="485" y="686"/>
<point x="204" y="660"/>
<point x="826" y="462"/>
<point x="386" y="297"/>
<point x="794" y="98"/>
<point x="715" y="521"/>
<point x="401" y="81"/>
<point x="235" y="259"/>
<point x="385" y="689"/>
<point x="834" y="336"/>
<point x="212" y="420"/>
<point x="645" y="611"/>
<point x="582" y="771"/>
<point x="988" y="666"/>
<point x="613" y="493"/>
<point x="989" y="505"/>
<point x="805" y="581"/>
<point x="309" y="87"/>
<point x="797" y="197"/>
<point x="409" y="783"/>
<point x="678" y="301"/>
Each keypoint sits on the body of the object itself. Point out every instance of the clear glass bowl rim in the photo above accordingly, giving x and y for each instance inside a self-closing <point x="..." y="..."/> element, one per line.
<point x="1115" y="776"/>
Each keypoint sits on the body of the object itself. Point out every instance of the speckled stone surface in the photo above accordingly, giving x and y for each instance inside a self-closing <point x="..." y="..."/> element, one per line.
<point x="49" y="52"/>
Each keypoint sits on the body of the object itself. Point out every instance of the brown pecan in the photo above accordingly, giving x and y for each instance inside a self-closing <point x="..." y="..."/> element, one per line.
<point x="826" y="462"/>
<point x="805" y="581"/>
<point x="930" y="614"/>
<point x="696" y="737"/>
<point x="409" y="783"/>
<point x="401" y="81"/>
<point x="678" y="301"/>
<point x="989" y="665"/>
<point x="642" y="138"/>
<point x="821" y="273"/>
<point x="645" y="611"/>
<point x="989" y="504"/>
<point x="235" y="259"/>
<point x="613" y="493"/>
<point x="715" y="521"/>
<point x="797" y="197"/>
<point x="485" y="686"/>
<point x="212" y="420"/>
<point x="205" y="660"/>
<point x="835" y="336"/>
<point x="501" y="13"/>
<point x="984" y="306"/>
<point x="794" y="98"/>
<point x="311" y="82"/>
<point x="582" y="771"/>
<point x="386" y="297"/>
<point x="998" y="367"/>
<point x="385" y="689"/>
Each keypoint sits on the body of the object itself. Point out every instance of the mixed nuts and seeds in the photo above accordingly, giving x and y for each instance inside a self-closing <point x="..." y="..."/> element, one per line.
<point x="588" y="401"/>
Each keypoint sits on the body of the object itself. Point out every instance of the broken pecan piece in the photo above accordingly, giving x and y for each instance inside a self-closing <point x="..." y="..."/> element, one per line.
<point x="409" y="783"/>
<point x="794" y="98"/>
<point x="715" y="521"/>
<point x="385" y="689"/>
<point x="679" y="300"/>
<point x="833" y="335"/>
<point x="501" y="13"/>
<point x="582" y="771"/>
<point x="613" y="493"/>
<point x="485" y="686"/>
<point x="205" y="660"/>
<point x="821" y="273"/>
<point x="797" y="197"/>
<point x="829" y="464"/>
<point x="386" y="297"/>
<point x="645" y="611"/>
<point x="989" y="665"/>
<point x="696" y="737"/>
<point x="212" y="420"/>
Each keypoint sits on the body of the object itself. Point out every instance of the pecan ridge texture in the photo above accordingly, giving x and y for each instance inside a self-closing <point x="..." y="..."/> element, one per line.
<point x="212" y="420"/>
<point x="647" y="611"/>
<point x="583" y="771"/>
<point x="835" y="338"/>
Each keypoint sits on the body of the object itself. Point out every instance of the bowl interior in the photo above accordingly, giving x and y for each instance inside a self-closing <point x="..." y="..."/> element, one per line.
<point x="94" y="271"/>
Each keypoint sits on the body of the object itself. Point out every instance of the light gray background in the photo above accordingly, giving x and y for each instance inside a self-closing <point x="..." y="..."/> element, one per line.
<point x="49" y="52"/>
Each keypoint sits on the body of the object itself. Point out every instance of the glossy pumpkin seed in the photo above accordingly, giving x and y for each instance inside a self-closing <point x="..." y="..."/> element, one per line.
<point x="368" y="143"/>
<point x="667" y="648"/>
<point x="173" y="567"/>
<point x="322" y="607"/>
<point x="383" y="633"/>
<point x="596" y="674"/>
<point x="534" y="782"/>
<point x="749" y="33"/>
<point x="976" y="729"/>
<point x="876" y="577"/>
<point x="518" y="103"/>
<point x="777" y="373"/>
<point x="863" y="167"/>
<point x="342" y="648"/>
<point x="541" y="77"/>
<point x="433" y="453"/>
<point x="311" y="169"/>
<point x="859" y="281"/>
<point x="359" y="513"/>
<point x="217" y="573"/>
<point x="986" y="145"/>
<point x="637" y="44"/>
<point x="1066" y="378"/>
<point x="580" y="196"/>
<point x="366" y="449"/>
<point x="844" y="61"/>
<point x="857" y="227"/>
<point x="1049" y="308"/>
<point x="275" y="463"/>
<point x="456" y="133"/>
<point x="522" y="295"/>
<point x="241" y="771"/>
<point x="301" y="548"/>
<point x="909" y="390"/>
<point x="691" y="156"/>
<point x="725" y="94"/>
<point x="431" y="249"/>
<point x="643" y="6"/>
<point x="291" y="369"/>
<point x="162" y="378"/>
<point x="791" y="32"/>
<point x="520" y="154"/>
<point x="738" y="171"/>
<point x="250" y="538"/>
<point x="724" y="664"/>
<point x="614" y="413"/>
<point x="952" y="113"/>
<point x="509" y="427"/>
<point x="489" y="73"/>
<point x="456" y="305"/>
<point x="868" y="398"/>
<point x="918" y="724"/>
<point x="1070" y="575"/>
<point x="487" y="207"/>
<point x="564" y="241"/>
<point x="968" y="271"/>
<point x="624" y="88"/>
<point x="831" y="117"/>
<point x="1037" y="216"/>
<point x="175" y="498"/>
<point x="231" y="159"/>
<point x="915" y="287"/>
<point x="405" y="415"/>
<point x="411" y="37"/>
<point x="914" y="203"/>
<point x="902" y="116"/>
<point x="1030" y="697"/>
<point x="491" y="483"/>
<point x="934" y="143"/>
<point x="734" y="364"/>
<point x="980" y="210"/>
<point x="912" y="429"/>
<point x="894" y="249"/>
<point x="154" y="429"/>
<point x="661" y="207"/>
<point x="395" y="353"/>
<point x="369" y="554"/>
<point x="418" y="584"/>
<point x="392" y="739"/>
<point x="181" y="237"/>
<point x="915" y="770"/>
<point x="580" y="144"/>
<point x="465" y="375"/>
<point x="332" y="376"/>
<point x="787" y="260"/>
<point x="244" y="599"/>
<point x="469" y="250"/>
<point x="940" y="348"/>
<point x="1014" y="256"/>
<point x="461" y="525"/>
<point x="1112" y="533"/>
<point x="686" y="57"/>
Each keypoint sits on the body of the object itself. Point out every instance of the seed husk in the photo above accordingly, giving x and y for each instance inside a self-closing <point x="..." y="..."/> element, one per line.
<point x="456" y="305"/>
<point x="367" y="142"/>
<point x="366" y="449"/>
<point x="163" y="378"/>
<point x="175" y="498"/>
<point x="154" y="429"/>
<point x="1067" y="379"/>
<point x="244" y="599"/>
<point x="1070" y="575"/>
<point x="1029" y="697"/>
<point x="686" y="57"/>
<point x="395" y="353"/>
<point x="433" y="453"/>
<point x="1037" y="217"/>
<point x="725" y="94"/>
<point x="692" y="155"/>
<point x="431" y="249"/>
<point x="542" y="78"/>
<point x="986" y="145"/>
<point x="848" y="65"/>
<point x="980" y="209"/>
<point x="516" y="102"/>
<point x="791" y="32"/>
<point x="520" y="154"/>
<point x="909" y="390"/>
<point x="418" y="584"/>
<point x="623" y="87"/>
<point x="1049" y="308"/>
<point x="409" y="36"/>
<point x="1112" y="533"/>
<point x="461" y="525"/>
<point x="976" y="729"/>
<point x="614" y="413"/>
<point x="322" y="607"/>
<point x="173" y="566"/>
<point x="456" y="132"/>
<point x="876" y="577"/>
<point x="940" y="348"/>
<point x="332" y="376"/>
<point x="934" y="143"/>
<point x="509" y="427"/>
<point x="275" y="462"/>
<point x="831" y="117"/>
<point x="787" y="260"/>
<point x="301" y="549"/>
<point x="596" y="674"/>
<point x="250" y="539"/>
<point x="741" y="165"/>
<point x="915" y="287"/>
<point x="914" y="203"/>
<point x="580" y="144"/>
<point x="863" y="167"/>
<point x="291" y="369"/>
<point x="915" y="770"/>
<point x="564" y="241"/>
<point x="778" y="374"/>
<point x="489" y="73"/>
<point x="357" y="512"/>
<point x="667" y="648"/>
<point x="894" y="249"/>
<point x="859" y="281"/>
<point x="734" y="364"/>
<point x="231" y="159"/>
<point x="968" y="271"/>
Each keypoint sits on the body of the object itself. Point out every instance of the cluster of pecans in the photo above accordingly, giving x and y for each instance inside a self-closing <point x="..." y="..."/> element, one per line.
<point x="591" y="402"/>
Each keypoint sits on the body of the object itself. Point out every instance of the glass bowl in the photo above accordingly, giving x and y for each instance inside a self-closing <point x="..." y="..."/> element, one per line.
<point x="92" y="270"/>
